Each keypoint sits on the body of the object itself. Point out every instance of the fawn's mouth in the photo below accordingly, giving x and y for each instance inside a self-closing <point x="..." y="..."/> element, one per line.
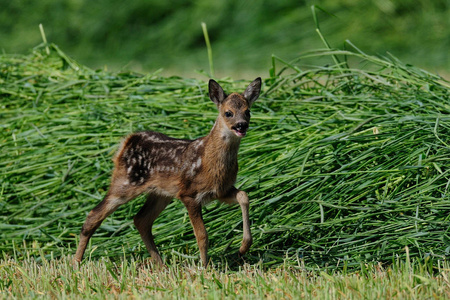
<point x="239" y="132"/>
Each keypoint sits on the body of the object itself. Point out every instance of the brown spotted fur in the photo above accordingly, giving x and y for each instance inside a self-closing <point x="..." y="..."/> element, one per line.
<point x="194" y="171"/>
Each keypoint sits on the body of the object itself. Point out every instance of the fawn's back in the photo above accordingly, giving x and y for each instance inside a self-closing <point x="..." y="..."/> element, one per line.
<point x="152" y="162"/>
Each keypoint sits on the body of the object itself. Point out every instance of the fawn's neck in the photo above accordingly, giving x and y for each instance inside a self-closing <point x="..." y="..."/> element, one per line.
<point x="219" y="159"/>
<point x="224" y="141"/>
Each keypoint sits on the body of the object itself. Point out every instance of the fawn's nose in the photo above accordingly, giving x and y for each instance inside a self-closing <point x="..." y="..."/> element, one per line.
<point x="242" y="126"/>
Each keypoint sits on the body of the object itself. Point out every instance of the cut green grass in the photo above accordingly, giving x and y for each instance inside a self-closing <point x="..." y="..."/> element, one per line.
<point x="344" y="164"/>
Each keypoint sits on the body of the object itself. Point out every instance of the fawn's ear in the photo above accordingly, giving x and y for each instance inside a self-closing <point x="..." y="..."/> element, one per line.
<point x="252" y="91"/>
<point x="216" y="93"/>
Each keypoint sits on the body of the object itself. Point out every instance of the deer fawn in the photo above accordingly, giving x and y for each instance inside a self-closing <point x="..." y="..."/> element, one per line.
<point x="194" y="171"/>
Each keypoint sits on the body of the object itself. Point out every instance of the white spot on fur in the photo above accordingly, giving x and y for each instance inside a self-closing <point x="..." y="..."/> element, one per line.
<point x="198" y="144"/>
<point x="195" y="166"/>
<point x="192" y="170"/>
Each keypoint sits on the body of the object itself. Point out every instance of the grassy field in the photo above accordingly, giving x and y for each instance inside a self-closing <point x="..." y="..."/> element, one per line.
<point x="129" y="278"/>
<point x="347" y="167"/>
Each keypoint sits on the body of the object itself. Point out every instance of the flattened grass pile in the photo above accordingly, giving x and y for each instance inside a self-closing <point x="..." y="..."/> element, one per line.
<point x="344" y="164"/>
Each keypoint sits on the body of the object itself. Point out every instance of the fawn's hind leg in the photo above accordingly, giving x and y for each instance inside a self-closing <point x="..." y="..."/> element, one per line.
<point x="95" y="218"/>
<point x="144" y="221"/>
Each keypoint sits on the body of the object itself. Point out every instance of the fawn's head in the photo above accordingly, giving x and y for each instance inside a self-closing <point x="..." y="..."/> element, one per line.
<point x="234" y="109"/>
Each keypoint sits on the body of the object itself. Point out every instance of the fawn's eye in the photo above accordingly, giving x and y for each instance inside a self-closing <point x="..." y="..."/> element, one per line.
<point x="247" y="113"/>
<point x="228" y="114"/>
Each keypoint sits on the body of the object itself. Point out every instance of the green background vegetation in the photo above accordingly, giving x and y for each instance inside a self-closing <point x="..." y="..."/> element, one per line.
<point x="149" y="35"/>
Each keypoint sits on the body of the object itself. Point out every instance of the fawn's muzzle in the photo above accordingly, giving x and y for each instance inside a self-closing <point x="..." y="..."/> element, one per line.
<point x="240" y="129"/>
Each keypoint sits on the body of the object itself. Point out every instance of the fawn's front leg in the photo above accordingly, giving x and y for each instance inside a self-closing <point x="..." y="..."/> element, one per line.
<point x="241" y="197"/>
<point x="195" y="215"/>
